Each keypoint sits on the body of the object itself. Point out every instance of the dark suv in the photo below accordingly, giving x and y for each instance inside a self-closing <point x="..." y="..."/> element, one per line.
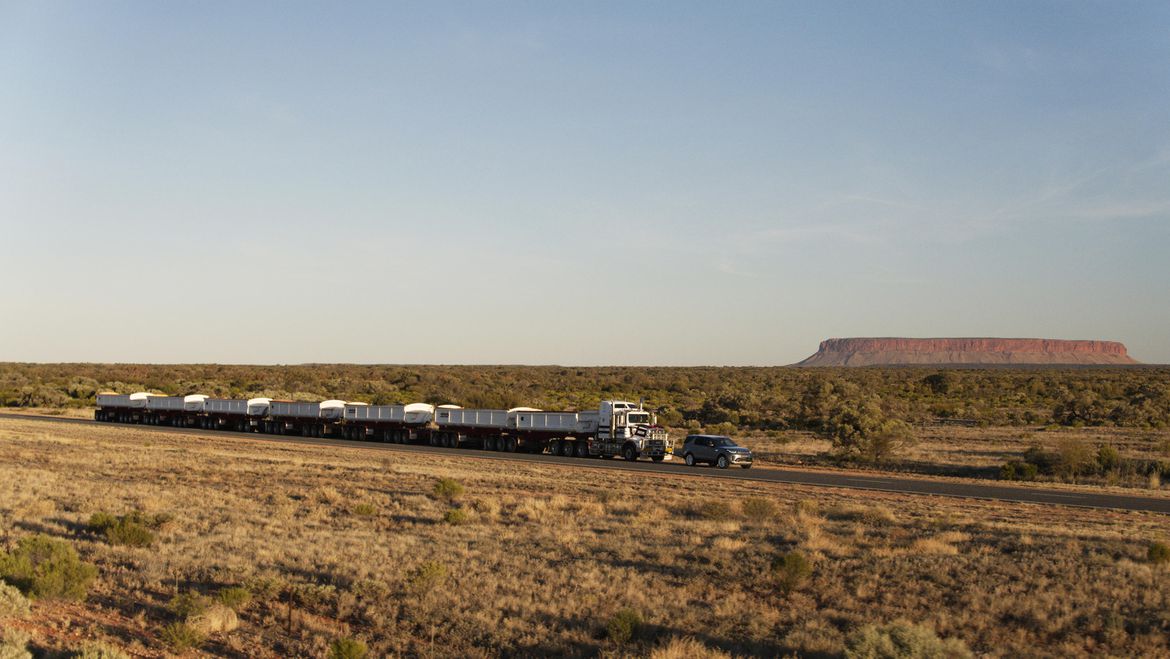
<point x="717" y="450"/>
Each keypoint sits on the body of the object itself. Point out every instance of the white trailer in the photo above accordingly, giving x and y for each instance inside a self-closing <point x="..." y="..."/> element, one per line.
<point x="288" y="417"/>
<point x="456" y="425"/>
<point x="123" y="408"/>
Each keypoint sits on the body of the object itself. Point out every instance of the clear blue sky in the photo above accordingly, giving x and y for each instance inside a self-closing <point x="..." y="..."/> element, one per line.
<point x="578" y="183"/>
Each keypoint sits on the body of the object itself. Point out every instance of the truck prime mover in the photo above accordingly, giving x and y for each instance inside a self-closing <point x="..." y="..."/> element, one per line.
<point x="615" y="428"/>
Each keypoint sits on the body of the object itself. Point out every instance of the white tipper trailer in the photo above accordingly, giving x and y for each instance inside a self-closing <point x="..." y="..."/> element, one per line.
<point x="286" y="417"/>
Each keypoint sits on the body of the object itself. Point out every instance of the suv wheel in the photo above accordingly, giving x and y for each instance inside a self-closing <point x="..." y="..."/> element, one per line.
<point x="690" y="459"/>
<point x="722" y="462"/>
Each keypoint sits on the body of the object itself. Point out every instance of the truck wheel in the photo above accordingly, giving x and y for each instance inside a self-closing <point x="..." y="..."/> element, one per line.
<point x="568" y="449"/>
<point x="512" y="444"/>
<point x="722" y="462"/>
<point x="629" y="452"/>
<point x="554" y="447"/>
<point x="582" y="449"/>
<point x="690" y="459"/>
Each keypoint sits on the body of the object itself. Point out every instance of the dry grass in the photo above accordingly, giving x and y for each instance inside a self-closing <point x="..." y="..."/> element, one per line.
<point x="548" y="554"/>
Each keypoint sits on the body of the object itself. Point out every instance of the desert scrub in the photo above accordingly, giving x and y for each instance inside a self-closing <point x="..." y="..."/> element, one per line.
<point x="347" y="648"/>
<point x="14" y="644"/>
<point x="790" y="570"/>
<point x="623" y="625"/>
<point x="758" y="509"/>
<point x="364" y="509"/>
<point x="235" y="598"/>
<point x="188" y="604"/>
<point x="448" y="489"/>
<point x="134" y="529"/>
<point x="179" y="636"/>
<point x="47" y="568"/>
<point x="713" y="509"/>
<point x="427" y="577"/>
<point x="1158" y="552"/>
<point x="99" y="651"/>
<point x="902" y="640"/>
<point x="455" y="516"/>
<point x="13" y="603"/>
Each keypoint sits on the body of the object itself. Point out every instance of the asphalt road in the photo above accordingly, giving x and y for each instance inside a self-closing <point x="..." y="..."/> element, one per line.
<point x="840" y="479"/>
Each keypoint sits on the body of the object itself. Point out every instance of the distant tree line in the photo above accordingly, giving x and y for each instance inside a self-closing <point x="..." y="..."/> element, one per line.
<point x="854" y="406"/>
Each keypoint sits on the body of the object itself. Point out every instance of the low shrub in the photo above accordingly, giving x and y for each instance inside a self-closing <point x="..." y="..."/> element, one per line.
<point x="180" y="636"/>
<point x="1017" y="470"/>
<point x="235" y="598"/>
<point x="902" y="640"/>
<point x="790" y="570"/>
<point x="426" y="577"/>
<point x="448" y="489"/>
<point x="623" y="625"/>
<point x="455" y="516"/>
<point x="14" y="644"/>
<point x="47" y="568"/>
<point x="347" y="648"/>
<point x="1158" y="552"/>
<point x="188" y="604"/>
<point x="714" y="509"/>
<point x="99" y="651"/>
<point x="758" y="509"/>
<point x="365" y="509"/>
<point x="13" y="603"/>
<point x="133" y="529"/>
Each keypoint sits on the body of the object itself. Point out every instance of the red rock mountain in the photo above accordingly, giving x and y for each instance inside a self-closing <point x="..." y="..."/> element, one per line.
<point x="974" y="351"/>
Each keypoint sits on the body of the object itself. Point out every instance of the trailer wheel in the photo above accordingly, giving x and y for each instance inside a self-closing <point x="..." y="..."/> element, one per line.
<point x="511" y="443"/>
<point x="629" y="452"/>
<point x="554" y="447"/>
<point x="582" y="449"/>
<point x="568" y="449"/>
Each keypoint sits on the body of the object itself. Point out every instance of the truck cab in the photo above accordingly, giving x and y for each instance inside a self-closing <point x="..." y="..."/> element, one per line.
<point x="632" y="431"/>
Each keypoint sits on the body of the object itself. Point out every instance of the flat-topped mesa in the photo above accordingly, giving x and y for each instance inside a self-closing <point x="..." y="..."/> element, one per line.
<point x="966" y="351"/>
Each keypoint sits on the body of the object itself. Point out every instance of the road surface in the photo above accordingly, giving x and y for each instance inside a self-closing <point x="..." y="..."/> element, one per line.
<point x="840" y="479"/>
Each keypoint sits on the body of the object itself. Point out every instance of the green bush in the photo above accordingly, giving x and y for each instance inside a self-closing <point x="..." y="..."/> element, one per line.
<point x="347" y="648"/>
<point x="790" y="570"/>
<point x="12" y="601"/>
<point x="758" y="509"/>
<point x="364" y="509"/>
<point x="235" y="598"/>
<point x="455" y="516"/>
<point x="902" y="640"/>
<point x="133" y="529"/>
<point x="448" y="489"/>
<point x="623" y="625"/>
<point x="1017" y="470"/>
<point x="427" y="577"/>
<point x="1108" y="458"/>
<point x="189" y="604"/>
<point x="1158" y="552"/>
<point x="180" y="636"/>
<point x="47" y="568"/>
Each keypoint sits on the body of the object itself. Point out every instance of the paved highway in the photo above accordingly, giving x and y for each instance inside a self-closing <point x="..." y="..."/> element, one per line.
<point x="840" y="479"/>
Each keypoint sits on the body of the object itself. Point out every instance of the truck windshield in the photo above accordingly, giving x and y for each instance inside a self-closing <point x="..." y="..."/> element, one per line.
<point x="639" y="417"/>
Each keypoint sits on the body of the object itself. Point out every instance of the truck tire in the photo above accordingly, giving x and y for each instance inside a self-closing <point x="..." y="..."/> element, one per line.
<point x="554" y="447"/>
<point x="582" y="449"/>
<point x="512" y="444"/>
<point x="629" y="452"/>
<point x="568" y="449"/>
